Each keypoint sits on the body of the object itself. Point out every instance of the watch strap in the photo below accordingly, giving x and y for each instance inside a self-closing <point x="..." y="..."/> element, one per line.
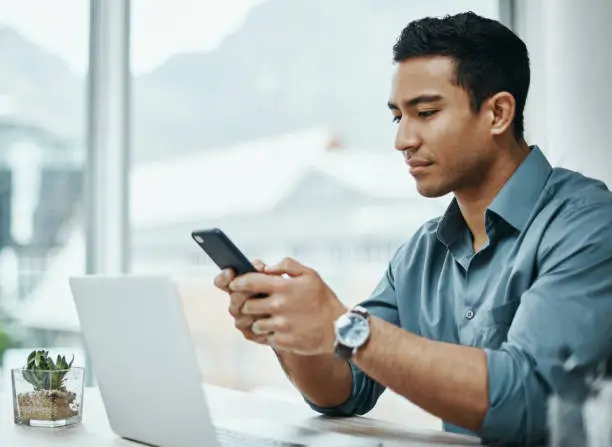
<point x="343" y="351"/>
<point x="360" y="310"/>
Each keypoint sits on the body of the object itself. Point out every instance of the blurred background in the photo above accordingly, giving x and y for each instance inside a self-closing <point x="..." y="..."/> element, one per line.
<point x="266" y="118"/>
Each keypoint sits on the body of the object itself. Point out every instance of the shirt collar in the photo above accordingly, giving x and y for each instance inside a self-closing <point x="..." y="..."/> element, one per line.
<point x="514" y="203"/>
<point x="518" y="197"/>
<point x="451" y="225"/>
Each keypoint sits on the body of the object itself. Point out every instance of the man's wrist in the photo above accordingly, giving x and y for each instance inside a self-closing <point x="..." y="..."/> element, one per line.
<point x="352" y="332"/>
<point x="338" y="310"/>
<point x="282" y="362"/>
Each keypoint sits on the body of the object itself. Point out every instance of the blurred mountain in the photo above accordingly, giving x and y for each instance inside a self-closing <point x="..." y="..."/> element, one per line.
<point x="39" y="88"/>
<point x="293" y="64"/>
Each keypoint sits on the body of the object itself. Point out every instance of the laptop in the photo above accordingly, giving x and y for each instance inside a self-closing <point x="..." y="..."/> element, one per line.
<point x="142" y="356"/>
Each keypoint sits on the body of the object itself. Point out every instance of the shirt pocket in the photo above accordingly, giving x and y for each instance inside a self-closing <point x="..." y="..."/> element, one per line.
<point x="495" y="322"/>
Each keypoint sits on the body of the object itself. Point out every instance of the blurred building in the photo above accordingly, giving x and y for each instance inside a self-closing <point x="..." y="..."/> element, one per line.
<point x="40" y="188"/>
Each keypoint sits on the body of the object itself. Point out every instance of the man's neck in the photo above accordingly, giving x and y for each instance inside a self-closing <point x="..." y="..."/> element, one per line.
<point x="473" y="202"/>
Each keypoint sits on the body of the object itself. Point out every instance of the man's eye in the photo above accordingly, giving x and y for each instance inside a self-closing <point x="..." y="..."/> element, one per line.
<point x="396" y="119"/>
<point x="427" y="113"/>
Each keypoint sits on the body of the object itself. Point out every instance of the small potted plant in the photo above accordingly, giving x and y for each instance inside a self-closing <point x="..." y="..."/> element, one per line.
<point x="47" y="393"/>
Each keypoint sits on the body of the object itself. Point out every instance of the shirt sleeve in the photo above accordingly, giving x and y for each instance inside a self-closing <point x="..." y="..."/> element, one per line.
<point x="568" y="306"/>
<point x="382" y="304"/>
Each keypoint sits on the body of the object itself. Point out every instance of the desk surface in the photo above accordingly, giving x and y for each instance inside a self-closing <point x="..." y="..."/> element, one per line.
<point x="224" y="404"/>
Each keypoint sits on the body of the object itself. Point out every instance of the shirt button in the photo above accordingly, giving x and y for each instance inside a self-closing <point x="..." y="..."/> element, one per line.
<point x="469" y="314"/>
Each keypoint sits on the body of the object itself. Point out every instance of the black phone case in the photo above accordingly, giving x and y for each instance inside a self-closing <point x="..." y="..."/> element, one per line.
<point x="222" y="251"/>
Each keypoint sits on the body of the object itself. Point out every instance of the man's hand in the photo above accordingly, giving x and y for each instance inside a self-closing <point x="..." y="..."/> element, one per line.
<point x="237" y="299"/>
<point x="297" y="317"/>
<point x="299" y="312"/>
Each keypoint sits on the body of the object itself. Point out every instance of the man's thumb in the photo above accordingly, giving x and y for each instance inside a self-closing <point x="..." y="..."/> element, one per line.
<point x="287" y="266"/>
<point x="259" y="265"/>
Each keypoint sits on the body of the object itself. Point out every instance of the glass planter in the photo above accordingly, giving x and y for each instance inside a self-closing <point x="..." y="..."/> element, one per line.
<point x="47" y="398"/>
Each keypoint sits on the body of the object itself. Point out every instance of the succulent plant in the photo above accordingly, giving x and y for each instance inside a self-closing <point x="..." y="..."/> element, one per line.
<point x="45" y="374"/>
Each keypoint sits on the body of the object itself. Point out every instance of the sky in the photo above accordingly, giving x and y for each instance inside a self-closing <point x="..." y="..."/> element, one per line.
<point x="160" y="28"/>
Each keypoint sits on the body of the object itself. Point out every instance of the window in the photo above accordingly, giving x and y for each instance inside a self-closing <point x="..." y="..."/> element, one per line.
<point x="42" y="135"/>
<point x="268" y="119"/>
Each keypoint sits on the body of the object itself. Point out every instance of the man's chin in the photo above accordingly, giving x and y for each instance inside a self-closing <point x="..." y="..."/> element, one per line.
<point x="431" y="191"/>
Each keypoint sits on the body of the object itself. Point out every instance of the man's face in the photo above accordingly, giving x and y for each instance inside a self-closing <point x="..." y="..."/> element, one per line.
<point x="447" y="146"/>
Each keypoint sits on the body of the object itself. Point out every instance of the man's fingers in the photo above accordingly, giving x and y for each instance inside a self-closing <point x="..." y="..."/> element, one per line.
<point x="237" y="300"/>
<point x="257" y="325"/>
<point x="266" y="326"/>
<point x="261" y="339"/>
<point x="287" y="266"/>
<point x="223" y="279"/>
<point x="259" y="265"/>
<point x="256" y="283"/>
<point x="243" y="323"/>
<point x="263" y="306"/>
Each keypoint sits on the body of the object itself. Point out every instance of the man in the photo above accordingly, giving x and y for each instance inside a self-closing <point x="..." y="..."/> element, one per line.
<point x="470" y="317"/>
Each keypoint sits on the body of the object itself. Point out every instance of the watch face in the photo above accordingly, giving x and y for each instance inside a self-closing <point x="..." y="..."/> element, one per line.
<point x="352" y="330"/>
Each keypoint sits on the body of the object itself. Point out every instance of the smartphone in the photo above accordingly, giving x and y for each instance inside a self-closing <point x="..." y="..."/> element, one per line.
<point x="222" y="251"/>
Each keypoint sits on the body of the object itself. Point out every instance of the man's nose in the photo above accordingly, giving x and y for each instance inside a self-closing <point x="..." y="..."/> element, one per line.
<point x="406" y="139"/>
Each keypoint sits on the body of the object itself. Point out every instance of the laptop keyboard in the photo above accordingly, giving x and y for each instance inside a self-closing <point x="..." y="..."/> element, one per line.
<point x="228" y="438"/>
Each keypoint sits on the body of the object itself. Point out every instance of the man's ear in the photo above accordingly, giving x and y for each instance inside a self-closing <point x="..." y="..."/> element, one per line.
<point x="501" y="109"/>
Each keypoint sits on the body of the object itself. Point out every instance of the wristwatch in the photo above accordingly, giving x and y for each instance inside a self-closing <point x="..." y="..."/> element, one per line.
<point x="352" y="331"/>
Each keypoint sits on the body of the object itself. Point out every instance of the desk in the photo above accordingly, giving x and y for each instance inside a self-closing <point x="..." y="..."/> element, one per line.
<point x="224" y="404"/>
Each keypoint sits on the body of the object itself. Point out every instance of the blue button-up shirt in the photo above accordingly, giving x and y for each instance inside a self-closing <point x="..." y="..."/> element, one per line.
<point x="542" y="281"/>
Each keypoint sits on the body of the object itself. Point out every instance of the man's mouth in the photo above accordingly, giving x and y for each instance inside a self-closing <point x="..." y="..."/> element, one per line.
<point x="418" y="166"/>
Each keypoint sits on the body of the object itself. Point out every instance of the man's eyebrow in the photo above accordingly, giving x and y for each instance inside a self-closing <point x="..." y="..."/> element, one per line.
<point x="392" y="106"/>
<point x="416" y="101"/>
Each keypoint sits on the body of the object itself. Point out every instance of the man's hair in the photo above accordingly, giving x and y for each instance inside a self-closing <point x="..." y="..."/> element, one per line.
<point x="489" y="58"/>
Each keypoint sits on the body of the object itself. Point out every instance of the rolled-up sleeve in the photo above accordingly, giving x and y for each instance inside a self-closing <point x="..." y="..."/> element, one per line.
<point x="568" y="306"/>
<point x="365" y="392"/>
<point x="517" y="399"/>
